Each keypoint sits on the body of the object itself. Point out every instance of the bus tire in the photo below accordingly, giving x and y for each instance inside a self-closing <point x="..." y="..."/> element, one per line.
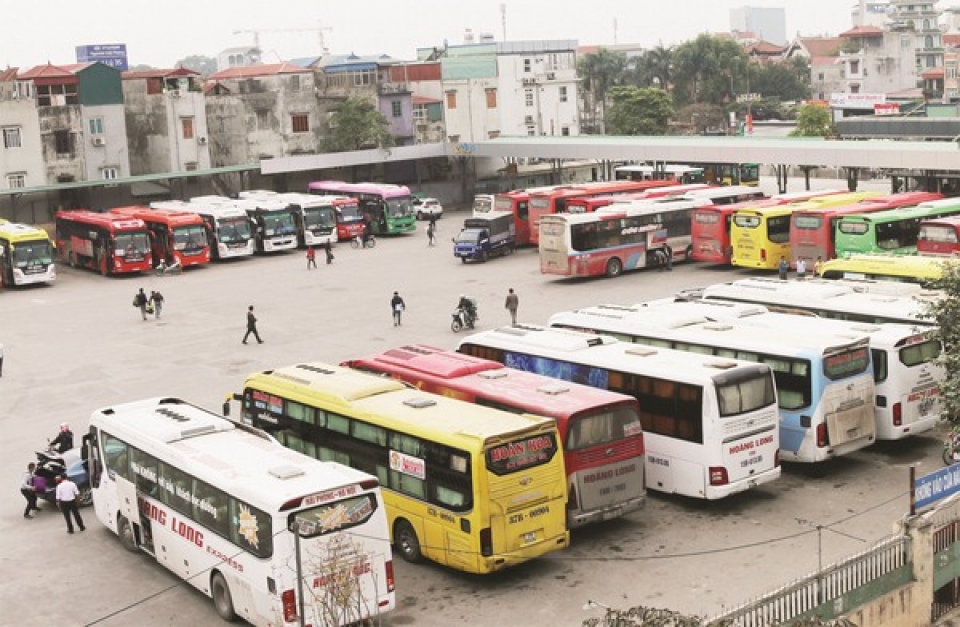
<point x="128" y="537"/>
<point x="405" y="539"/>
<point x="222" y="600"/>
<point x="614" y="267"/>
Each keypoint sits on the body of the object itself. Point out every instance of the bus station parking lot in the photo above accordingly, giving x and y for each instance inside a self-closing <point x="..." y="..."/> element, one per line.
<point x="79" y="345"/>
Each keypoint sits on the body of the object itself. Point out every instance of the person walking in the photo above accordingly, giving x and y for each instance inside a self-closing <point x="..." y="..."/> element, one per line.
<point x="801" y="268"/>
<point x="311" y="258"/>
<point x="512" y="303"/>
<point x="251" y="326"/>
<point x="397" y="306"/>
<point x="783" y="268"/>
<point x="327" y="248"/>
<point x="141" y="301"/>
<point x="67" y="495"/>
<point x="29" y="491"/>
<point x="818" y="266"/>
<point x="156" y="298"/>
<point x="668" y="253"/>
<point x="431" y="234"/>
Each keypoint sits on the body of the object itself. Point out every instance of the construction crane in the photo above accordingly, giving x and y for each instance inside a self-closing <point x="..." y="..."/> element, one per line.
<point x="319" y="30"/>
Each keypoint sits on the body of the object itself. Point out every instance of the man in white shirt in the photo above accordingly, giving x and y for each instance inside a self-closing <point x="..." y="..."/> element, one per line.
<point x="67" y="495"/>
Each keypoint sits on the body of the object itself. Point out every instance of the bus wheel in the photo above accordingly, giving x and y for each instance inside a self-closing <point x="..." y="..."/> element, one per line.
<point x="405" y="538"/>
<point x="127" y="536"/>
<point x="614" y="267"/>
<point x="222" y="600"/>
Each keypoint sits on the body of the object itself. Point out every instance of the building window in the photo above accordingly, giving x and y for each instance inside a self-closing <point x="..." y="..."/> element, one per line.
<point x="951" y="72"/>
<point x="295" y="82"/>
<point x="905" y="42"/>
<point x="563" y="93"/>
<point x="11" y="137"/>
<point x="16" y="181"/>
<point x="454" y="139"/>
<point x="855" y="67"/>
<point x="565" y="130"/>
<point x="528" y="97"/>
<point x="57" y="95"/>
<point x="190" y="166"/>
<point x="96" y="126"/>
<point x="491" y="97"/>
<point x="531" y="131"/>
<point x="526" y="65"/>
<point x="187" y="125"/>
<point x="396" y="109"/>
<point x="109" y="174"/>
<point x="854" y="89"/>
<point x="63" y="142"/>
<point x="451" y="100"/>
<point x="23" y="90"/>
<point x="300" y="122"/>
<point x="263" y="119"/>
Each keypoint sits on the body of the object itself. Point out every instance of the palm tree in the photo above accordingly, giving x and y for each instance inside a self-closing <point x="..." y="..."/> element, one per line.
<point x="658" y="64"/>
<point x="599" y="72"/>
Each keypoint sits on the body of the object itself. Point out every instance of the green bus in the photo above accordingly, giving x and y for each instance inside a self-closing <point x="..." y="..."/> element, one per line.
<point x="893" y="232"/>
<point x="389" y="208"/>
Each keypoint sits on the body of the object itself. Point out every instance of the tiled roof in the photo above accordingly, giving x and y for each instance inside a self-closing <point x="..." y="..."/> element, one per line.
<point x="46" y="71"/>
<point x="8" y="74"/>
<point x="936" y="72"/>
<point x="951" y="39"/>
<point x="863" y="31"/>
<point x="423" y="100"/>
<point x="254" y="71"/>
<point x="159" y="73"/>
<point x="821" y="46"/>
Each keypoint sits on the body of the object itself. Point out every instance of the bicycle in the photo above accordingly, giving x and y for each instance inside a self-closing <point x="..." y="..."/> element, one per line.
<point x="359" y="242"/>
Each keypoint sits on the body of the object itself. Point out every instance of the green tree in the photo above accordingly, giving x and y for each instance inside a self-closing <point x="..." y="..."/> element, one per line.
<point x="946" y="313"/>
<point x="639" y="111"/>
<point x="598" y="72"/>
<point x="205" y="66"/>
<point x="356" y="124"/>
<point x="652" y="68"/>
<point x="709" y="69"/>
<point x="813" y="121"/>
<point x="779" y="80"/>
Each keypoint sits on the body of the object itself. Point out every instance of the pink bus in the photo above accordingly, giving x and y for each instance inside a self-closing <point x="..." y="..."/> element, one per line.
<point x="388" y="207"/>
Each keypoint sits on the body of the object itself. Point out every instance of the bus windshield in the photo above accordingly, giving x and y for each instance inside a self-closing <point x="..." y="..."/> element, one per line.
<point x="30" y="254"/>
<point x="132" y="244"/>
<point x="399" y="207"/>
<point x="233" y="230"/>
<point x="279" y="223"/>
<point x="350" y="213"/>
<point x="189" y="238"/>
<point x="315" y="217"/>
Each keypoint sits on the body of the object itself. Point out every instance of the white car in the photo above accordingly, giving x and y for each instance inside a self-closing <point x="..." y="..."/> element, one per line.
<point x="429" y="207"/>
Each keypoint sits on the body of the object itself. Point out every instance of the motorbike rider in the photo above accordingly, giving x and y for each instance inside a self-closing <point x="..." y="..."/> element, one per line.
<point x="64" y="440"/>
<point x="468" y="308"/>
<point x="367" y="227"/>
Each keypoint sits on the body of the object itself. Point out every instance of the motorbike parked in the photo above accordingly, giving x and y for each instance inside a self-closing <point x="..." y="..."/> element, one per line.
<point x="51" y="464"/>
<point x="951" y="448"/>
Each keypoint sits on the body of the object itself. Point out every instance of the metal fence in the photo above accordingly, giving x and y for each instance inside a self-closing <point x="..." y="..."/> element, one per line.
<point x="835" y="590"/>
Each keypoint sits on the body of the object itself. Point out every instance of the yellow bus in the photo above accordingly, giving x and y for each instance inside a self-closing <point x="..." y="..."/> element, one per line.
<point x="761" y="235"/>
<point x="470" y="487"/>
<point x="26" y="255"/>
<point x="907" y="268"/>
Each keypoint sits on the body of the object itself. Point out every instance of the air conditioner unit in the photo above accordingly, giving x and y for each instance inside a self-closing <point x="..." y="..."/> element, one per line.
<point x="201" y="140"/>
<point x="528" y="119"/>
<point x="175" y="93"/>
<point x="99" y="141"/>
<point x="551" y="76"/>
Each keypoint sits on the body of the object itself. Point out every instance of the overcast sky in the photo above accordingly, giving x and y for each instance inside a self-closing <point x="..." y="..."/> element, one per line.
<point x="160" y="33"/>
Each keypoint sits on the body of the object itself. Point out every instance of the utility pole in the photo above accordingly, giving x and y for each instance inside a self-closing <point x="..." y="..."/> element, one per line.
<point x="503" y="19"/>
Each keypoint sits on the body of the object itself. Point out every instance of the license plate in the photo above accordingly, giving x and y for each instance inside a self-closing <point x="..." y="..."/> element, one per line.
<point x="530" y="537"/>
<point x="613" y="513"/>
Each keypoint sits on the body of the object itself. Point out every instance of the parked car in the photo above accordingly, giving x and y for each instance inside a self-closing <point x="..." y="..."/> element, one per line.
<point x="428" y="207"/>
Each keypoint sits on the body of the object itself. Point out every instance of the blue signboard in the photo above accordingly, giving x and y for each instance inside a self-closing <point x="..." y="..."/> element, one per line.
<point x="937" y="485"/>
<point x="114" y="55"/>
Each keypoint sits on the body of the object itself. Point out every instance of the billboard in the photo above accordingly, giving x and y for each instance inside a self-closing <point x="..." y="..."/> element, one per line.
<point x="114" y="55"/>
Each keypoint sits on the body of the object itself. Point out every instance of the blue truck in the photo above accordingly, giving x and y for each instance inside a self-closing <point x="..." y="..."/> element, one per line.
<point x="481" y="238"/>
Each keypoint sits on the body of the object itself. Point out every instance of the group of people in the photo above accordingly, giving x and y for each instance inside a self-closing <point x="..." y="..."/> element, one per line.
<point x="512" y="303"/>
<point x="149" y="304"/>
<point x="67" y="494"/>
<point x="783" y="267"/>
<point x="312" y="255"/>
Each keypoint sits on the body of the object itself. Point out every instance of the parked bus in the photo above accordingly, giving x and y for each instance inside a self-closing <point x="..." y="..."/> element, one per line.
<point x="315" y="216"/>
<point x="228" y="227"/>
<point x="274" y="223"/>
<point x="727" y="195"/>
<point x="730" y="173"/>
<point x="176" y="237"/>
<point x="908" y="268"/>
<point x="907" y="378"/>
<point x="473" y="488"/>
<point x="841" y="299"/>
<point x="555" y="200"/>
<point x="710" y="425"/>
<point x="517" y="202"/>
<point x="710" y="228"/>
<point x="389" y="206"/>
<point x="283" y="540"/>
<point x="670" y="190"/>
<point x="892" y="232"/>
<point x="673" y="214"/>
<point x="760" y="236"/>
<point x="824" y="383"/>
<point x="939" y="237"/>
<point x="600" y="431"/>
<point x="599" y="244"/>
<point x="813" y="230"/>
<point x="683" y="174"/>
<point x="108" y="243"/>
<point x="26" y="255"/>
<point x="482" y="204"/>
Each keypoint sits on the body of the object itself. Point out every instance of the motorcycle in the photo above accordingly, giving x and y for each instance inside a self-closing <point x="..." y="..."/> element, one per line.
<point x="359" y="242"/>
<point x="462" y="318"/>
<point x="951" y="448"/>
<point x="51" y="464"/>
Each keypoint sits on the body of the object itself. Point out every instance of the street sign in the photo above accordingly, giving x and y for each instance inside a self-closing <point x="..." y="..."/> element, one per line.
<point x="936" y="486"/>
<point x="748" y="97"/>
<point x="114" y="55"/>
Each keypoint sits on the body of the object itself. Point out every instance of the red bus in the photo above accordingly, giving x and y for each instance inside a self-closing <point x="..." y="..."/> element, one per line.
<point x="711" y="224"/>
<point x="175" y="236"/>
<point x="105" y="242"/>
<point x="555" y="200"/>
<point x="592" y="203"/>
<point x="813" y="231"/>
<point x="939" y="237"/>
<point x="601" y="433"/>
<point x="517" y="202"/>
